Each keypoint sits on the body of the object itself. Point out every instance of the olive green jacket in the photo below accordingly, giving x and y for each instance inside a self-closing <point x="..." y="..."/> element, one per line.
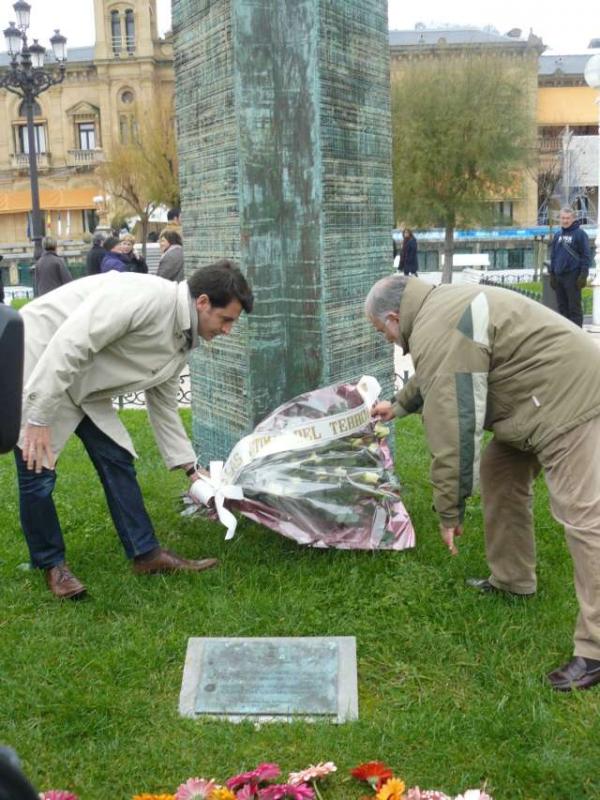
<point x="490" y="359"/>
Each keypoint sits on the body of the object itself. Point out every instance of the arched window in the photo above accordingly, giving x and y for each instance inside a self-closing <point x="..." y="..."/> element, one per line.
<point x="129" y="31"/>
<point x="37" y="111"/>
<point x="115" y="31"/>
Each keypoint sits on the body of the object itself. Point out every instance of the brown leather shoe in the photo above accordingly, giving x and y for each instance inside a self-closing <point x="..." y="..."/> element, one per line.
<point x="166" y="561"/>
<point x="574" y="675"/>
<point x="63" y="584"/>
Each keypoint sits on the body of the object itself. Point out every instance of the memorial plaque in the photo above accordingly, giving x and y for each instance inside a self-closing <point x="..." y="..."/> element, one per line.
<point x="271" y="679"/>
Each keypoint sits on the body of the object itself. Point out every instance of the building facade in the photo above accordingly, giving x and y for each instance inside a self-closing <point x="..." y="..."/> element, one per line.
<point x="567" y="120"/>
<point x="100" y="103"/>
<point x="110" y="85"/>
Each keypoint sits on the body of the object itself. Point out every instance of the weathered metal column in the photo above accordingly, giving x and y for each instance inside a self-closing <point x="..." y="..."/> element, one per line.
<point x="285" y="151"/>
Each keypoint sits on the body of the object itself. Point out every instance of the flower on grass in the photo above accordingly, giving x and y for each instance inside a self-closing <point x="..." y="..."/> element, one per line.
<point x="392" y="789"/>
<point x="414" y="793"/>
<point x="264" y="772"/>
<point x="221" y="793"/>
<point x="473" y="794"/>
<point x="154" y="797"/>
<point x="284" y="791"/>
<point x="374" y="773"/>
<point x="247" y="792"/>
<point x="195" y="788"/>
<point x="58" y="794"/>
<point x="312" y="773"/>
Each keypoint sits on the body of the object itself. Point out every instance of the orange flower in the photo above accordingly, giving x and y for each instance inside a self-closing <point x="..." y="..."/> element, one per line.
<point x="222" y="793"/>
<point x="374" y="773"/>
<point x="393" y="789"/>
<point x="154" y="797"/>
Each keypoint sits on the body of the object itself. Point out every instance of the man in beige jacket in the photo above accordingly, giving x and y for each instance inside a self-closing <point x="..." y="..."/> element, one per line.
<point x="489" y="359"/>
<point x="86" y="342"/>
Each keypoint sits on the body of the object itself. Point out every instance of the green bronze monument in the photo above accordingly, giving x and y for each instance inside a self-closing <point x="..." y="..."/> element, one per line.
<point x="285" y="163"/>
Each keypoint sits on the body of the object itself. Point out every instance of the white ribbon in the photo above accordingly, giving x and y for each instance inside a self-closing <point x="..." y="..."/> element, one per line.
<point x="300" y="436"/>
<point x="207" y="488"/>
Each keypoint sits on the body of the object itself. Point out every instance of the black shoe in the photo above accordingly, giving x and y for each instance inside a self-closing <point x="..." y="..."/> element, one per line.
<point x="577" y="674"/>
<point x="485" y="587"/>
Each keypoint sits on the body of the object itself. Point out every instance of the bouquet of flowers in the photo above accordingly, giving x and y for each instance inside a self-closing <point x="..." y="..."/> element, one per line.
<point x="265" y="783"/>
<point x="317" y="470"/>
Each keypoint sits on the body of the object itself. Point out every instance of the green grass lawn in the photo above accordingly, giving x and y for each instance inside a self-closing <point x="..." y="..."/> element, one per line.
<point x="451" y="689"/>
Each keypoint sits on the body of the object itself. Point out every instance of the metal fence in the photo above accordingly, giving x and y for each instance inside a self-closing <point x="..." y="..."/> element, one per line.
<point x="512" y="282"/>
<point x="138" y="399"/>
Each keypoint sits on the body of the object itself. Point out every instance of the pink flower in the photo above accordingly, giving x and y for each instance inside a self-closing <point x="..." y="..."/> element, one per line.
<point x="248" y="792"/>
<point x="312" y="773"/>
<point x="58" y="794"/>
<point x="284" y="791"/>
<point x="474" y="794"/>
<point x="415" y="793"/>
<point x="264" y="772"/>
<point x="194" y="788"/>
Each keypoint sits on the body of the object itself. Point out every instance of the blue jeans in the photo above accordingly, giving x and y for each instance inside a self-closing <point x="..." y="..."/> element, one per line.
<point x="115" y="467"/>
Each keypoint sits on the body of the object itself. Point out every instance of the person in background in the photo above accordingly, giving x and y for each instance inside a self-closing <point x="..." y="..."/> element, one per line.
<point x="1" y="284"/>
<point x="50" y="270"/>
<point x="170" y="265"/>
<point x="173" y="222"/>
<point x="570" y="259"/>
<point x="409" y="262"/>
<point x="135" y="262"/>
<point x="95" y="255"/>
<point x="114" y="258"/>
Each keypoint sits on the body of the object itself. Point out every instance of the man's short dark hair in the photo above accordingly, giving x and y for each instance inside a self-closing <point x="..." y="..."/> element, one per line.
<point x="222" y="282"/>
<point x="172" y="237"/>
<point x="173" y="213"/>
<point x="110" y="242"/>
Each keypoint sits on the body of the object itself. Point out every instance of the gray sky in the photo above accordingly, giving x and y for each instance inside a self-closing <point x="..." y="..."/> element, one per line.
<point x="562" y="27"/>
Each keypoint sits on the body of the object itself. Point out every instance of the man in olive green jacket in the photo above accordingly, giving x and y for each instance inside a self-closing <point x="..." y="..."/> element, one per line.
<point x="489" y="359"/>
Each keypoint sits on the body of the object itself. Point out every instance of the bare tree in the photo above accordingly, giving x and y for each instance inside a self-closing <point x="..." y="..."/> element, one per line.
<point x="142" y="174"/>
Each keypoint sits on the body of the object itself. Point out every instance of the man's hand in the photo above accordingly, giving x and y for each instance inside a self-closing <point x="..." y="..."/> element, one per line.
<point x="448" y="535"/>
<point x="194" y="472"/>
<point x="383" y="411"/>
<point x="36" y="446"/>
<point x="582" y="280"/>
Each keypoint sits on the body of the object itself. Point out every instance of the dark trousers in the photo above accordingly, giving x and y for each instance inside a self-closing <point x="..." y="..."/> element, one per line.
<point x="568" y="297"/>
<point x="114" y="466"/>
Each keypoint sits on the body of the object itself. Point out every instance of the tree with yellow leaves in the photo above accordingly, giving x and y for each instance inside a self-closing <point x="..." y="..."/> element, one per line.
<point x="142" y="174"/>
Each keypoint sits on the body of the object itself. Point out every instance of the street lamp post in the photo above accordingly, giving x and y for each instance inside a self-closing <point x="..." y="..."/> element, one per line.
<point x="27" y="78"/>
<point x="592" y="78"/>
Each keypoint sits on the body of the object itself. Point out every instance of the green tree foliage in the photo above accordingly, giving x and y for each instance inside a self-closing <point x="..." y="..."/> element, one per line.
<point x="463" y="136"/>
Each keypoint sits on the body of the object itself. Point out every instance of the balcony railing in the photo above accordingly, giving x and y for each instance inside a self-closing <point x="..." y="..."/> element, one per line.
<point x="84" y="158"/>
<point x="550" y="144"/>
<point x="21" y="160"/>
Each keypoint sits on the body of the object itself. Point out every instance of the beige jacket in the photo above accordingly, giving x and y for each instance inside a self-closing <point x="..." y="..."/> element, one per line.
<point x="490" y="359"/>
<point x="102" y="336"/>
